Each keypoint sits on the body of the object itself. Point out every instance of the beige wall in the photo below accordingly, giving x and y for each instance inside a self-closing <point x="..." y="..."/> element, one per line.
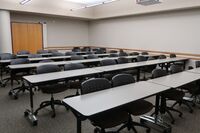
<point x="60" y="31"/>
<point x="172" y="31"/>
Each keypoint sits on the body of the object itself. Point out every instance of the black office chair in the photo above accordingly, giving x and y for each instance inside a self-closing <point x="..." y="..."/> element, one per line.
<point x="181" y="63"/>
<point x="57" y="54"/>
<point x="177" y="69"/>
<point x="22" y="52"/>
<point x="53" y="51"/>
<point x="50" y="88"/>
<point x="77" y="57"/>
<point x="70" y="53"/>
<point x="162" y="57"/>
<point x="76" y="49"/>
<point x="99" y="51"/>
<point x="108" y="62"/>
<point x="92" y="56"/>
<point x="77" y="82"/>
<point x="42" y="51"/>
<point x="148" y="69"/>
<point x="7" y="56"/>
<point x="86" y="49"/>
<point x="46" y="61"/>
<point x="197" y="64"/>
<point x="113" y="51"/>
<point x="137" y="108"/>
<point x="141" y="58"/>
<point x="144" y="53"/>
<point x="17" y="75"/>
<point x="133" y="53"/>
<point x="108" y="119"/>
<point x="174" y="95"/>
<point x="123" y="54"/>
<point x="114" y="55"/>
<point x="103" y="49"/>
<point x="34" y="56"/>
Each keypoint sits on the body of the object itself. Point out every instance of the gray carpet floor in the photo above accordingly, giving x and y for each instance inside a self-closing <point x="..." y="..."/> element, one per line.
<point x="12" y="118"/>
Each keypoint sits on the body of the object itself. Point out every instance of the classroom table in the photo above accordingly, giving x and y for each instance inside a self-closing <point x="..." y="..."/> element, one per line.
<point x="195" y="70"/>
<point x="85" y="106"/>
<point x="35" y="80"/>
<point x="26" y="55"/>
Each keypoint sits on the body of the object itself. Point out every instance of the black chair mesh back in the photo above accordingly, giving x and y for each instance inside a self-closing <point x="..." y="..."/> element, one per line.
<point x="77" y="57"/>
<point x="113" y="51"/>
<point x="162" y="57"/>
<point x="145" y="53"/>
<point x="73" y="66"/>
<point x="70" y="53"/>
<point x="94" y="84"/>
<point x="156" y="73"/>
<point x="122" y="79"/>
<point x="151" y="58"/>
<point x="19" y="61"/>
<point x="57" y="54"/>
<point x="134" y="53"/>
<point x="107" y="62"/>
<point x="113" y="55"/>
<point x="141" y="58"/>
<point x="103" y="49"/>
<point x="99" y="51"/>
<point x="42" y="51"/>
<point x="47" y="68"/>
<point x="46" y="61"/>
<point x="21" y="52"/>
<point x="76" y="49"/>
<point x="122" y="60"/>
<point x="123" y="54"/>
<point x="175" y="69"/>
<point x="34" y="56"/>
<point x="197" y="64"/>
<point x="172" y="55"/>
<point x="92" y="56"/>
<point x="6" y="56"/>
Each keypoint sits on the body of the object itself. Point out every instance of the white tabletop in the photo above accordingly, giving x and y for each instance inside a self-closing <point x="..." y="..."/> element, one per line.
<point x="195" y="70"/>
<point x="39" y="78"/>
<point x="177" y="79"/>
<point x="97" y="102"/>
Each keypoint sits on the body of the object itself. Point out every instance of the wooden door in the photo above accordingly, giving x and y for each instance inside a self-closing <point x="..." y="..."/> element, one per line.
<point x="26" y="36"/>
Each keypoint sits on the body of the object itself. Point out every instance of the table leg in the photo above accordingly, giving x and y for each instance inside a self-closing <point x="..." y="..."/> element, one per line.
<point x="30" y="113"/>
<point x="138" y="74"/>
<point x="79" y="126"/>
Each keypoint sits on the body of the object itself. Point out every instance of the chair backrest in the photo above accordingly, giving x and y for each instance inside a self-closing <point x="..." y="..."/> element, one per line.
<point x="52" y="50"/>
<point x="41" y="51"/>
<point x="122" y="60"/>
<point x="144" y="53"/>
<point x="123" y="54"/>
<point x="141" y="58"/>
<point x="122" y="79"/>
<point x="133" y="53"/>
<point x="89" y="52"/>
<point x="113" y="55"/>
<point x="76" y="49"/>
<point x="197" y="63"/>
<point x="46" y="61"/>
<point x="103" y="49"/>
<point x="6" y="56"/>
<point x="107" y="62"/>
<point x="92" y="56"/>
<point x="57" y="54"/>
<point x="156" y="73"/>
<point x="73" y="66"/>
<point x="70" y="53"/>
<point x="113" y="51"/>
<point x="94" y="84"/>
<point x="176" y="68"/>
<point x="99" y="51"/>
<point x="34" y="56"/>
<point x="162" y="57"/>
<point x="21" y="52"/>
<point x="47" y="68"/>
<point x="86" y="49"/>
<point x="151" y="58"/>
<point x="172" y="55"/>
<point x="19" y="61"/>
<point x="77" y="57"/>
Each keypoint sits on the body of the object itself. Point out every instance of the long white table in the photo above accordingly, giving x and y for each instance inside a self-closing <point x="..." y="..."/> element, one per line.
<point x="195" y="70"/>
<point x="34" y="80"/>
<point x="98" y="102"/>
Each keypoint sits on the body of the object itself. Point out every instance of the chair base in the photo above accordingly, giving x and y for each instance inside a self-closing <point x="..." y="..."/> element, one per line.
<point x="51" y="103"/>
<point x="156" y="123"/>
<point x="14" y="92"/>
<point x="186" y="102"/>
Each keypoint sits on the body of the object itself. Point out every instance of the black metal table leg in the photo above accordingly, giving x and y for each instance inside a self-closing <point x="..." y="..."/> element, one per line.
<point x="138" y="74"/>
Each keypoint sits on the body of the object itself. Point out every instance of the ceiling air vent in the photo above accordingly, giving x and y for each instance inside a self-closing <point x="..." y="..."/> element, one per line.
<point x="147" y="2"/>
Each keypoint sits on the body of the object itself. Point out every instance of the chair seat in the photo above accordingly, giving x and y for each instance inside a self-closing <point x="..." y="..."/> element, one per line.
<point x="53" y="88"/>
<point x="174" y="95"/>
<point x="110" y="119"/>
<point x="139" y="107"/>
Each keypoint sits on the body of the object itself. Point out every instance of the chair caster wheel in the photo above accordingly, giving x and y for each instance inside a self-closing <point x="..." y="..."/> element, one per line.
<point x="35" y="113"/>
<point x="172" y="122"/>
<point x="9" y="93"/>
<point x="180" y="115"/>
<point x="35" y="123"/>
<point x="15" y="97"/>
<point x="97" y="130"/>
<point x="26" y="114"/>
<point x="191" y="111"/>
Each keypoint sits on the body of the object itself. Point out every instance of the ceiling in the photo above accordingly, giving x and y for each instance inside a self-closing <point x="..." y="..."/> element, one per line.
<point x="114" y="9"/>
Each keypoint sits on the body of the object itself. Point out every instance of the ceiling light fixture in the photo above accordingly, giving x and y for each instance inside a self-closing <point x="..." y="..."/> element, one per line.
<point x="23" y="2"/>
<point x="95" y="4"/>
